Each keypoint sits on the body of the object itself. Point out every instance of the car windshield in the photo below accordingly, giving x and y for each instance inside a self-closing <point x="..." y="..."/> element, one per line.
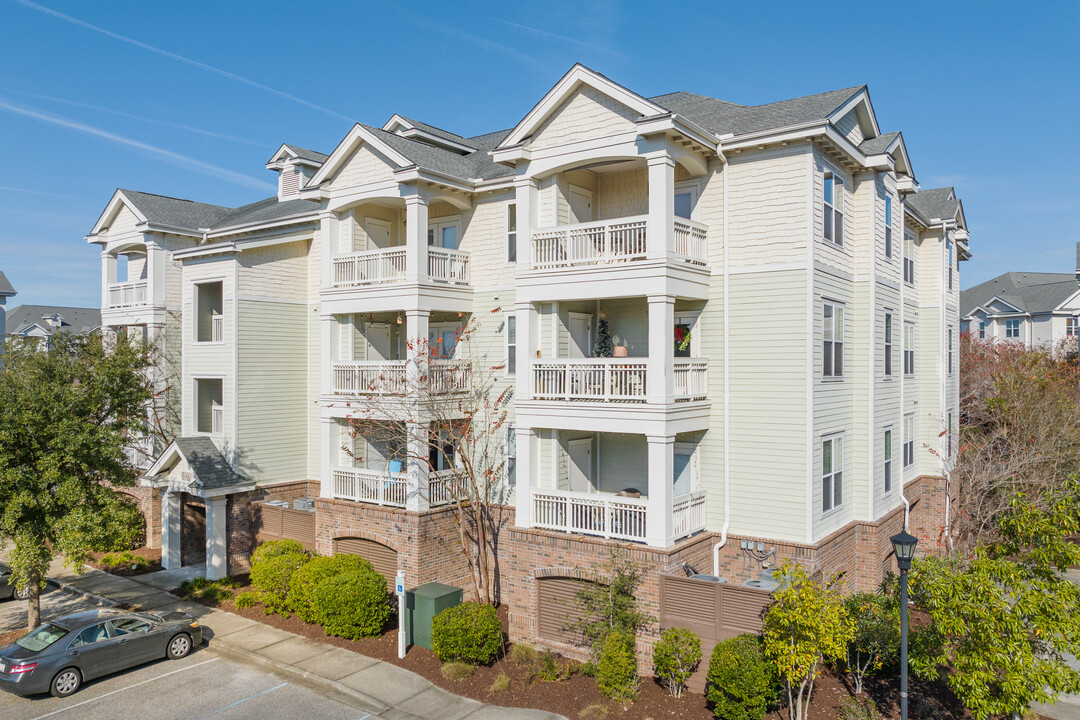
<point x="42" y="638"/>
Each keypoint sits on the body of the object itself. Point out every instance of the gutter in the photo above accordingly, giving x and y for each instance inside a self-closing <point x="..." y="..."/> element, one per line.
<point x="727" y="391"/>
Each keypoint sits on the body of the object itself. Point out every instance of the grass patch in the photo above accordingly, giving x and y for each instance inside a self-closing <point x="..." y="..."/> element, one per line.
<point x="596" y="711"/>
<point x="523" y="655"/>
<point x="501" y="683"/>
<point x="212" y="591"/>
<point x="125" y="558"/>
<point x="457" y="670"/>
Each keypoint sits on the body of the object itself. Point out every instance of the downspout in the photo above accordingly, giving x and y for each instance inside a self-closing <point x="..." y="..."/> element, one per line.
<point x="903" y="354"/>
<point x="945" y="376"/>
<point x="727" y="398"/>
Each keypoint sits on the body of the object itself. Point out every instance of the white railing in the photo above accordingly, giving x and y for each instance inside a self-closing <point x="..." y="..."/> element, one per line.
<point x="688" y="514"/>
<point x="369" y="268"/>
<point x="605" y="515"/>
<point x="691" y="241"/>
<point x="448" y="266"/>
<point x="217" y="419"/>
<point x="590" y="243"/>
<point x="383" y="377"/>
<point x="380" y="487"/>
<point x="595" y="379"/>
<point x="127" y="294"/>
<point x="217" y="328"/>
<point x="691" y="379"/>
<point x="441" y="487"/>
<point x="450" y="376"/>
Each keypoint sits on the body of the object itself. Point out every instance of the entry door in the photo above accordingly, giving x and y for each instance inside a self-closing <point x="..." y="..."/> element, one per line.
<point x="137" y="644"/>
<point x="378" y="335"/>
<point x="686" y="195"/>
<point x="580" y="335"/>
<point x="580" y="470"/>
<point x="443" y="342"/>
<point x="580" y="206"/>
<point x="683" y="474"/>
<point x="444" y="235"/>
<point x="378" y="232"/>
<point x="94" y="651"/>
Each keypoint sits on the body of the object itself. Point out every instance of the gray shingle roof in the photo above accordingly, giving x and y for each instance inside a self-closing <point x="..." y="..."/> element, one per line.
<point x="935" y="203"/>
<point x="197" y="216"/>
<point x="474" y="165"/>
<point x="6" y="287"/>
<point x="79" y="320"/>
<point x="306" y="154"/>
<point x="877" y="145"/>
<point x="208" y="464"/>
<point x="438" y="132"/>
<point x="1031" y="292"/>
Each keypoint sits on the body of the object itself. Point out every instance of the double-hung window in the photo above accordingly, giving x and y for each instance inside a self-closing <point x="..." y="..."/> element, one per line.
<point x="948" y="260"/>
<point x="888" y="459"/>
<point x="1012" y="328"/>
<point x="1072" y="329"/>
<point x="982" y="330"/>
<point x="511" y="233"/>
<point x="888" y="343"/>
<point x="834" y="209"/>
<point x="832" y="472"/>
<point x="511" y="343"/>
<point x="909" y="349"/>
<point x="949" y="353"/>
<point x="909" y="258"/>
<point x="832" y="340"/>
<point x="888" y="227"/>
<point x="909" y="440"/>
<point x="511" y="456"/>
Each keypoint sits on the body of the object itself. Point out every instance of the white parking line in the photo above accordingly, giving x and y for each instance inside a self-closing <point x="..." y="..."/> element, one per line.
<point x="241" y="702"/>
<point x="129" y="687"/>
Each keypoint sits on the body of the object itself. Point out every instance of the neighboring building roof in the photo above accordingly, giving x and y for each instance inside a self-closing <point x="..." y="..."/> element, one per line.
<point x="79" y="320"/>
<point x="935" y="203"/>
<point x="304" y="153"/>
<point x="6" y="288"/>
<point x="207" y="463"/>
<point x="1030" y="292"/>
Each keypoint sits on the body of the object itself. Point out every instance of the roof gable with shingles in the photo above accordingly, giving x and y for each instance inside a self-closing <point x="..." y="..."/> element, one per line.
<point x="80" y="320"/>
<point x="1033" y="293"/>
<point x="935" y="203"/>
<point x="6" y="288"/>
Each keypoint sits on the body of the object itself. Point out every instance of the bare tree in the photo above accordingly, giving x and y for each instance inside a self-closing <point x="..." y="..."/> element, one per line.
<point x="450" y="410"/>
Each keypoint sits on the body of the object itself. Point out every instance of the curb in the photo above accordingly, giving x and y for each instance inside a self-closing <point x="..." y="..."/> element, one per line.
<point x="98" y="599"/>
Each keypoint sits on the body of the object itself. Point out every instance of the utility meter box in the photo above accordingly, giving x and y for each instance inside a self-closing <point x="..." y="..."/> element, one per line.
<point x="424" y="603"/>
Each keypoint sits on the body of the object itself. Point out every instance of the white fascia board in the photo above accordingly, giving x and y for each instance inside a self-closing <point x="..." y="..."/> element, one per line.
<point x="415" y="173"/>
<point x="880" y="162"/>
<point x="163" y="458"/>
<point x="282" y="237"/>
<point x="309" y="216"/>
<point x="510" y="155"/>
<point x="173" y="230"/>
<point x="674" y="123"/>
<point x="500" y="183"/>
<point x="996" y="298"/>
<point x="898" y="149"/>
<point x="438" y="140"/>
<point x="764" y="137"/>
<point x="112" y="207"/>
<point x="916" y="215"/>
<point x="278" y="158"/>
<point x="1069" y="302"/>
<point x="352" y="140"/>
<point x="906" y="184"/>
<point x="579" y="74"/>
<point x="862" y="97"/>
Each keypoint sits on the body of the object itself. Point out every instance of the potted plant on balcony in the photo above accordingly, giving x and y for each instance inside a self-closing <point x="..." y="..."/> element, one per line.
<point x="682" y="340"/>
<point x="604" y="347"/>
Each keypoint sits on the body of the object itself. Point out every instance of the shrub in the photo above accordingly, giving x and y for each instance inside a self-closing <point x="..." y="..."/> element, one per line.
<point x="274" y="548"/>
<point x="212" y="591"/>
<point x="272" y="578"/>
<point x="549" y="668"/>
<point x="675" y="658"/>
<point x="352" y="604"/>
<point x="314" y="572"/>
<point x="616" y="671"/>
<point x="470" y="631"/>
<point x="852" y="709"/>
<point x="523" y="655"/>
<point x="116" y="559"/>
<point x="457" y="670"/>
<point x="742" y="682"/>
<point x="247" y="599"/>
<point x="501" y="683"/>
<point x="877" y="635"/>
<point x="609" y="605"/>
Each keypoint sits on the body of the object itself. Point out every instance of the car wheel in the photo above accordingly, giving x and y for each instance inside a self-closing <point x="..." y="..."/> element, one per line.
<point x="23" y="594"/>
<point x="66" y="682"/>
<point x="179" y="646"/>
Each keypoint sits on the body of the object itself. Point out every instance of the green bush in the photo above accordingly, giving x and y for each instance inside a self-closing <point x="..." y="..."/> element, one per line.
<point x="352" y="604"/>
<point x="616" y="670"/>
<point x="247" y="599"/>
<point x="742" y="683"/>
<point x="215" y="591"/>
<point x="470" y="632"/>
<point x="116" y="559"/>
<point x="273" y="549"/>
<point x="314" y="572"/>
<point x="675" y="658"/>
<point x="273" y="577"/>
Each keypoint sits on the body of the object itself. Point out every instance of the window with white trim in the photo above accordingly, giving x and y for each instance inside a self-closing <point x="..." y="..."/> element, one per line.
<point x="950" y="351"/>
<point x="909" y="258"/>
<point x="888" y="227"/>
<point x="948" y="260"/>
<point x="511" y="456"/>
<point x="834" y="208"/>
<point x="888" y="343"/>
<point x="982" y="330"/>
<point x="832" y="340"/>
<point x="209" y="311"/>
<point x="1071" y="327"/>
<point x="511" y="233"/>
<point x="1012" y="328"/>
<point x="948" y="435"/>
<point x="832" y="472"/>
<point x="888" y="459"/>
<point x="909" y="349"/>
<point x="909" y="440"/>
<point x="511" y="343"/>
<point x="209" y="406"/>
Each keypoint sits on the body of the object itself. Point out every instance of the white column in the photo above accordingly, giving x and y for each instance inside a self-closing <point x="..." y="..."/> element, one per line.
<point x="327" y="331"/>
<point x="217" y="556"/>
<point x="526" y="196"/>
<point x="659" y="525"/>
<point x="155" y="275"/>
<point x="347" y="232"/>
<point x="417" y="494"/>
<point x="416" y="247"/>
<point x="528" y="325"/>
<point x="170" y="530"/>
<point x="660" y="230"/>
<point x="417" y="498"/>
<point x="660" y="380"/>
<point x="526" y="476"/>
<point x="108" y="276"/>
<point x="329" y="436"/>
<point x="328" y="232"/>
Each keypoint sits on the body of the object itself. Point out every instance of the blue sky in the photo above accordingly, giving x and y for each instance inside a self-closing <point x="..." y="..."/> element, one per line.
<point x="190" y="99"/>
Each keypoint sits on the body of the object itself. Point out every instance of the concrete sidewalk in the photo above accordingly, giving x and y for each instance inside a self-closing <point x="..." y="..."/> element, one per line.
<point x="373" y="686"/>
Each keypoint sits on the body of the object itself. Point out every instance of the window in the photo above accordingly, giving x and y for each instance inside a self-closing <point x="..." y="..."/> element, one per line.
<point x="832" y="340"/>
<point x="511" y="343"/>
<point x="832" y="472"/>
<point x="511" y="456"/>
<point x="909" y="349"/>
<point x="982" y="330"/>
<point x="1012" y="328"/>
<point x="948" y="259"/>
<point x="129" y="625"/>
<point x="948" y="435"/>
<point x="949" y="351"/>
<point x="89" y="636"/>
<point x="1071" y="327"/>
<point x="909" y="440"/>
<point x="888" y="227"/>
<point x="834" y="209"/>
<point x="443" y="233"/>
<point x="209" y="410"/>
<point x="888" y="459"/>
<point x="511" y="233"/>
<point x="909" y="258"/>
<point x="209" y="314"/>
<point x="888" y="344"/>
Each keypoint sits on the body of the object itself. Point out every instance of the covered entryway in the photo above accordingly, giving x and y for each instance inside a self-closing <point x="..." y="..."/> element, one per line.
<point x="384" y="558"/>
<point x="559" y="610"/>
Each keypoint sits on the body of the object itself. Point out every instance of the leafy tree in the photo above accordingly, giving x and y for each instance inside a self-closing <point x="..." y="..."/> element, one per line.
<point x="877" y="634"/>
<point x="806" y="626"/>
<point x="66" y="416"/>
<point x="609" y="605"/>
<point x="1004" y="619"/>
<point x="675" y="658"/>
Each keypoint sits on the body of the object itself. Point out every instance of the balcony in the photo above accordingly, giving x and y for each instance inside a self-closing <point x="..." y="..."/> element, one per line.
<point x="610" y="242"/>
<point x="448" y="266"/>
<point x="128" y="294"/>
<point x="389" y="377"/>
<point x="611" y="516"/>
<point x="614" y="380"/>
<point x="388" y="266"/>
<point x="382" y="487"/>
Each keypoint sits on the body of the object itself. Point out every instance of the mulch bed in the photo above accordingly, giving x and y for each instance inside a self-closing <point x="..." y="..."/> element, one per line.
<point x="152" y="554"/>
<point x="570" y="696"/>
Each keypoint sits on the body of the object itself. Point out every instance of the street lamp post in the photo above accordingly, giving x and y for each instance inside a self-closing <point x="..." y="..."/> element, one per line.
<point x="904" y="547"/>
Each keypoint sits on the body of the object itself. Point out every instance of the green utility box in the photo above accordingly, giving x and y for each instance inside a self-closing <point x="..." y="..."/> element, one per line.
<point x="424" y="603"/>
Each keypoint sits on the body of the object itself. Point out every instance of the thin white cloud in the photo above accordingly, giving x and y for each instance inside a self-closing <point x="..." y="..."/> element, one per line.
<point x="120" y="113"/>
<point x="179" y="58"/>
<point x="572" y="42"/>
<point x="183" y="161"/>
<point x="5" y="188"/>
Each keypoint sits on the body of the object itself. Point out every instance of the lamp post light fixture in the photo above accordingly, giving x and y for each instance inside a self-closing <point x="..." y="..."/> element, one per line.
<point x="904" y="546"/>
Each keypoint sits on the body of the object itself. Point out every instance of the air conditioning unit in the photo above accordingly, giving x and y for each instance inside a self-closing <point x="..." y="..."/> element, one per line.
<point x="304" y="503"/>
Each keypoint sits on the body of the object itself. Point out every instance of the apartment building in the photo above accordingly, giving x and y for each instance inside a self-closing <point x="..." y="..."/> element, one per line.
<point x="781" y="296"/>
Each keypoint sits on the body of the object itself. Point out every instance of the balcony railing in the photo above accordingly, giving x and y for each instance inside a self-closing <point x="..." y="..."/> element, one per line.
<point x="441" y="487"/>
<point x="691" y="379"/>
<point x="593" y="379"/>
<point x="605" y="515"/>
<point x="389" y="377"/>
<point x="381" y="487"/>
<point x="688" y="514"/>
<point x="612" y="241"/>
<point x="127" y="294"/>
<point x="448" y="266"/>
<point x="373" y="267"/>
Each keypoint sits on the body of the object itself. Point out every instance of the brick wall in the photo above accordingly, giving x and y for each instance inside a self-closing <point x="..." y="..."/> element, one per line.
<point x="238" y="525"/>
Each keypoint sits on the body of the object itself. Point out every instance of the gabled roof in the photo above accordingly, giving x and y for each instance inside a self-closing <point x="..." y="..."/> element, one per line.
<point x="1029" y="292"/>
<point x="292" y="152"/>
<point x="409" y="128"/>
<point x="6" y="289"/>
<point x="935" y="203"/>
<point x="79" y="320"/>
<point x="210" y="470"/>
